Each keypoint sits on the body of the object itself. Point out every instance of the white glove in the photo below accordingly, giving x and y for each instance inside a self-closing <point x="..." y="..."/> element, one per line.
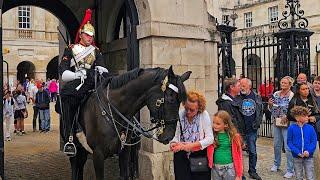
<point x="81" y="74"/>
<point x="101" y="69"/>
<point x="70" y="76"/>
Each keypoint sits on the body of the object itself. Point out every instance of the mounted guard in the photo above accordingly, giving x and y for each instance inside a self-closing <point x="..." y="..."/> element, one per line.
<point x="79" y="67"/>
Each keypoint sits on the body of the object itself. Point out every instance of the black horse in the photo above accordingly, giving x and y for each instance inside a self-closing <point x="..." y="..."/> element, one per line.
<point x="159" y="89"/>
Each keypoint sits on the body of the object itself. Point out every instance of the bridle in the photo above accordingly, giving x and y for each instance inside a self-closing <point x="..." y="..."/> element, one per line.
<point x="134" y="125"/>
<point x="159" y="116"/>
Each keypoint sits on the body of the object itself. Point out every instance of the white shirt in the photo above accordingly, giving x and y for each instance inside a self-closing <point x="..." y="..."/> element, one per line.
<point x="206" y="134"/>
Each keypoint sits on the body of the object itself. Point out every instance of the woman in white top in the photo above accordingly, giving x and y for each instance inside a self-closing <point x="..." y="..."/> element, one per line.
<point x="193" y="135"/>
<point x="278" y="105"/>
<point x="20" y="111"/>
<point x="8" y="113"/>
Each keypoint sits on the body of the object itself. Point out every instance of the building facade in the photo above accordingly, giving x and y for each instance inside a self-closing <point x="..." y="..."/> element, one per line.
<point x="30" y="37"/>
<point x="256" y="18"/>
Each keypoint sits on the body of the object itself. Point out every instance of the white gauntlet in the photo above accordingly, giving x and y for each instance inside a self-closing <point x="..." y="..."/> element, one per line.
<point x="101" y="69"/>
<point x="70" y="76"/>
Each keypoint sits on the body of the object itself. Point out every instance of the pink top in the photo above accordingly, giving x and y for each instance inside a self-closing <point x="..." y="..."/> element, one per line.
<point x="53" y="87"/>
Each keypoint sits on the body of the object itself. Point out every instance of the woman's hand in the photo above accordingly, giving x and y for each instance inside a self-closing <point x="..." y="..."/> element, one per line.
<point x="172" y="145"/>
<point x="312" y="119"/>
<point x="177" y="147"/>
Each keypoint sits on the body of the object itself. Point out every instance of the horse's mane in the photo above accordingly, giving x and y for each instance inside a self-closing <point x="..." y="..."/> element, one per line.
<point x="120" y="80"/>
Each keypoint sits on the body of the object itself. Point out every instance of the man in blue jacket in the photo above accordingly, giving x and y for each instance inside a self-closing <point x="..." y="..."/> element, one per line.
<point x="302" y="141"/>
<point x="42" y="103"/>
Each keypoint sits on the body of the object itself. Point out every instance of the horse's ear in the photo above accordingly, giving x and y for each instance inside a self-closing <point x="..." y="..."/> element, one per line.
<point x="185" y="76"/>
<point x="170" y="72"/>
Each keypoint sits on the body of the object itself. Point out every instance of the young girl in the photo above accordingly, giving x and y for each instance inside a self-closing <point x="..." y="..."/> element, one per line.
<point x="225" y="155"/>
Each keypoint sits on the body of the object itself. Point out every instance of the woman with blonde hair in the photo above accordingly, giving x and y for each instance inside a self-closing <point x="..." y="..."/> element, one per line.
<point x="193" y="135"/>
<point x="278" y="105"/>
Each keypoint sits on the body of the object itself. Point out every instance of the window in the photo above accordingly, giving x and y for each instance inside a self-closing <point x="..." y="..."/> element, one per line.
<point x="273" y="14"/>
<point x="24" y="15"/>
<point x="248" y="19"/>
<point x="225" y="19"/>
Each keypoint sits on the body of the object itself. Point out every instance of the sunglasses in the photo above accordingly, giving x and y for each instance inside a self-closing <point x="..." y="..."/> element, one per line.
<point x="191" y="110"/>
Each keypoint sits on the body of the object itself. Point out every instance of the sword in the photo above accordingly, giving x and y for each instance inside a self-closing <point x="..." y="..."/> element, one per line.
<point x="68" y="43"/>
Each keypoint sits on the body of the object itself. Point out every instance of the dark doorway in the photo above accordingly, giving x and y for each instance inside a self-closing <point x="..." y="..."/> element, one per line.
<point x="25" y="69"/>
<point x="254" y="70"/>
<point x="52" y="68"/>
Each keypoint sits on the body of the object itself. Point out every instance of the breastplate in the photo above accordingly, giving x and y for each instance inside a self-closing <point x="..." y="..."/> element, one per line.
<point x="87" y="61"/>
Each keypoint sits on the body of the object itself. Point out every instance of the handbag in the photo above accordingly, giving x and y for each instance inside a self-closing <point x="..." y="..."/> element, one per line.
<point x="279" y="123"/>
<point x="199" y="164"/>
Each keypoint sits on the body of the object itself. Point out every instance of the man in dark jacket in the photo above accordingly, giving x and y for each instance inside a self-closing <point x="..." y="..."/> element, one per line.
<point x="229" y="101"/>
<point x="252" y="112"/>
<point x="42" y="103"/>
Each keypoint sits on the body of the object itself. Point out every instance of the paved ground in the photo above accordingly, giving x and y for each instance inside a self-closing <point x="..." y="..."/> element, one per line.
<point x="36" y="156"/>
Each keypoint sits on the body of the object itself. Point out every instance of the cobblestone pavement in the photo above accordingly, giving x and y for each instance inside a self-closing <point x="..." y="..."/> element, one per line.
<point x="36" y="156"/>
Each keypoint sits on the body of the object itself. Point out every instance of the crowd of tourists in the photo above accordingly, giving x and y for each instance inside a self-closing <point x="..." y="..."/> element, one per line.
<point x="211" y="147"/>
<point x="16" y="97"/>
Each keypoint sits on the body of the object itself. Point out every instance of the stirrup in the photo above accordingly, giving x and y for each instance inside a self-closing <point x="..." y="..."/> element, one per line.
<point x="70" y="148"/>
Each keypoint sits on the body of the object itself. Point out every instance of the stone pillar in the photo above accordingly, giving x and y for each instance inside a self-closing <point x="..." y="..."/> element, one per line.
<point x="176" y="34"/>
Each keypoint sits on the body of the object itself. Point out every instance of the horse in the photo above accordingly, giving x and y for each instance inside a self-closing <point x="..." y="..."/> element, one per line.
<point x="108" y="111"/>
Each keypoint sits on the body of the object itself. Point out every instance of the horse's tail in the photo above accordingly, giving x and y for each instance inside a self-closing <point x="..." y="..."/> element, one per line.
<point x="83" y="141"/>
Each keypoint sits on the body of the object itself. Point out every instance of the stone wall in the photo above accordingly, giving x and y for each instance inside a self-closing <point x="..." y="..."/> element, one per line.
<point x="39" y="48"/>
<point x="175" y="33"/>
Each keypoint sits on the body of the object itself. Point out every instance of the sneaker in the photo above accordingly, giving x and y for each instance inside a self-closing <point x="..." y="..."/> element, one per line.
<point x="289" y="175"/>
<point x="23" y="132"/>
<point x="255" y="176"/>
<point x="8" y="139"/>
<point x="274" y="168"/>
<point x="15" y="131"/>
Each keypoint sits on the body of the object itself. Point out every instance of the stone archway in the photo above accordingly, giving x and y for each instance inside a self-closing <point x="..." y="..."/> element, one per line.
<point x="52" y="68"/>
<point x="25" y="69"/>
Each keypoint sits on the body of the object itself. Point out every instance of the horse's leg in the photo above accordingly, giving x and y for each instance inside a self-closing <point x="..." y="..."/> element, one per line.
<point x="98" y="161"/>
<point x="124" y="157"/>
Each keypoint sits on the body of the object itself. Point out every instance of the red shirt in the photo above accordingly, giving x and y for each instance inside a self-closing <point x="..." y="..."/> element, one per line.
<point x="266" y="90"/>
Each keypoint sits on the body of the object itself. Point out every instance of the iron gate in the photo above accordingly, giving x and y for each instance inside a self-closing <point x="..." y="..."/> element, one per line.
<point x="260" y="63"/>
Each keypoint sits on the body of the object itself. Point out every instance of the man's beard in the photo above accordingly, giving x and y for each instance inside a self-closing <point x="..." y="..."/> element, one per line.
<point x="244" y="92"/>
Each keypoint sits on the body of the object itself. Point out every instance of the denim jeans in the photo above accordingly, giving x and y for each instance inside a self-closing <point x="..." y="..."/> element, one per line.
<point x="223" y="172"/>
<point x="306" y="165"/>
<point x="280" y="136"/>
<point x="251" y="140"/>
<point x="44" y="116"/>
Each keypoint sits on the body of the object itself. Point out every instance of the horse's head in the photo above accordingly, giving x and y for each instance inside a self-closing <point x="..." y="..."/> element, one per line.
<point x="164" y="101"/>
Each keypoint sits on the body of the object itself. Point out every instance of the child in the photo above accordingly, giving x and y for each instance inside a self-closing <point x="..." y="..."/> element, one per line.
<point x="302" y="141"/>
<point x="8" y="113"/>
<point x="225" y="155"/>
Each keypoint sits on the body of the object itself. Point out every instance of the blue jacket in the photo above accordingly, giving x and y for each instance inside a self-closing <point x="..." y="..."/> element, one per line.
<point x="301" y="139"/>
